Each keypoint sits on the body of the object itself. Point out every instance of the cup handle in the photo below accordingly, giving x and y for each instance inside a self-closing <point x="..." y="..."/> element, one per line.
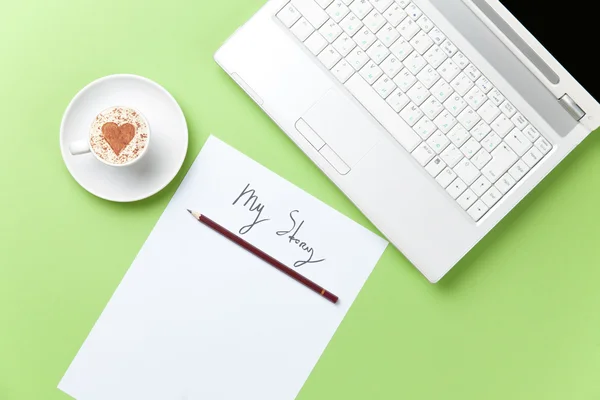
<point x="79" y="147"/>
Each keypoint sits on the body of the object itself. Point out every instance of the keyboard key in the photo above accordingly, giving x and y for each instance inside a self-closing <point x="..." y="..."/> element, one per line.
<point x="415" y="63"/>
<point x="428" y="76"/>
<point x="460" y="60"/>
<point x="378" y="52"/>
<point x="329" y="57"/>
<point x="458" y="135"/>
<point x="496" y="97"/>
<point x="438" y="142"/>
<point x="311" y="11"/>
<point x="351" y="24"/>
<point x="445" y="121"/>
<point x="302" y="29"/>
<point x="421" y="42"/>
<point x="371" y="72"/>
<point x="518" y="142"/>
<point x="361" y="8"/>
<point x="401" y="49"/>
<point x="342" y="71"/>
<point x="425" y="23"/>
<point x="344" y="44"/>
<point x="480" y="131"/>
<point x="532" y="157"/>
<point x="481" y="185"/>
<point x="391" y="66"/>
<point x="518" y="170"/>
<point x="418" y="93"/>
<point x="374" y="21"/>
<point x="455" y="104"/>
<point x="394" y="15"/>
<point x="288" y="15"/>
<point x="424" y="128"/>
<point x="446" y="177"/>
<point x="408" y="28"/>
<point x="384" y="86"/>
<point x="505" y="183"/>
<point x="411" y="114"/>
<point x="449" y="48"/>
<point x="388" y="35"/>
<point x="330" y="31"/>
<point x="452" y="155"/>
<point x="435" y="167"/>
<point x="502" y="159"/>
<point x="357" y="58"/>
<point x="377" y="107"/>
<point x="478" y="210"/>
<point x="462" y="84"/>
<point x="405" y="80"/>
<point x="364" y="38"/>
<point x="468" y="118"/>
<point x="502" y="125"/>
<point x="519" y="121"/>
<point x="432" y="108"/>
<point x="475" y="98"/>
<point x="508" y="109"/>
<point x="442" y="90"/>
<point x="423" y="154"/>
<point x="456" y="188"/>
<point x="543" y="145"/>
<point x="484" y="84"/>
<point x="531" y="133"/>
<point x="413" y="11"/>
<point x="491" y="141"/>
<point x="470" y="148"/>
<point x="491" y="197"/>
<point x="467" y="199"/>
<point x="337" y="10"/>
<point x="437" y="36"/>
<point x="472" y="72"/>
<point x="449" y="70"/>
<point x="489" y="112"/>
<point x="381" y="5"/>
<point x="315" y="43"/>
<point x="480" y="159"/>
<point x="435" y="56"/>
<point x="398" y="100"/>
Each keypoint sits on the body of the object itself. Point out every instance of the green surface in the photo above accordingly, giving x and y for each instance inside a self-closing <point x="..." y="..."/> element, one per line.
<point x="519" y="318"/>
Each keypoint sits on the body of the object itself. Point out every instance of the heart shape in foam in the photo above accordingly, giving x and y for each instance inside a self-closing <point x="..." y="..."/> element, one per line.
<point x="118" y="137"/>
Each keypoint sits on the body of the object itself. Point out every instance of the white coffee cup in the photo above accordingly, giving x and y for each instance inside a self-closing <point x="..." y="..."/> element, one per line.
<point x="108" y="116"/>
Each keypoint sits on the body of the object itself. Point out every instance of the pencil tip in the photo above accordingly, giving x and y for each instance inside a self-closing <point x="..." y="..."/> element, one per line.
<point x="190" y="211"/>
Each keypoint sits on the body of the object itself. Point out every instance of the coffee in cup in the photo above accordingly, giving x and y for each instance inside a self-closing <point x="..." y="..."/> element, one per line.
<point x="118" y="136"/>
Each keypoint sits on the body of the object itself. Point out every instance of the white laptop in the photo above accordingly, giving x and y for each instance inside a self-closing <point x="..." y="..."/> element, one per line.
<point x="435" y="117"/>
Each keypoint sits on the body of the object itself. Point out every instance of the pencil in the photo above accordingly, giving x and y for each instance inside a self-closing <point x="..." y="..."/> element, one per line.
<point x="264" y="256"/>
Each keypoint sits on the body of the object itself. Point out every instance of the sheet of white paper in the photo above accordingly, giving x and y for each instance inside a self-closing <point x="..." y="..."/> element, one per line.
<point x="197" y="317"/>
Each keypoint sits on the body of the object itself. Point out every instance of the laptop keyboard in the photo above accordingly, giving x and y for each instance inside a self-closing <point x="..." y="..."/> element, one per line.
<point x="403" y="70"/>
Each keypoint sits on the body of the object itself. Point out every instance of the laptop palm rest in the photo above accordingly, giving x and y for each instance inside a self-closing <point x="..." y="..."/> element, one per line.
<point x="342" y="126"/>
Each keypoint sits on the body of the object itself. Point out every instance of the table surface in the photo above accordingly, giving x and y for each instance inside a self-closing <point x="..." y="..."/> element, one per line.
<point x="518" y="318"/>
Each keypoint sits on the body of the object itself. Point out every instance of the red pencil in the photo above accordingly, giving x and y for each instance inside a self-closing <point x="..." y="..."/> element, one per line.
<point x="264" y="256"/>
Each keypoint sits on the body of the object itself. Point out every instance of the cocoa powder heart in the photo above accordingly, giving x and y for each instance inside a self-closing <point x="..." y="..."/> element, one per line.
<point x="118" y="137"/>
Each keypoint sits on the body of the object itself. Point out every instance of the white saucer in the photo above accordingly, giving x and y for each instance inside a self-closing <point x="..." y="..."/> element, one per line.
<point x="168" y="140"/>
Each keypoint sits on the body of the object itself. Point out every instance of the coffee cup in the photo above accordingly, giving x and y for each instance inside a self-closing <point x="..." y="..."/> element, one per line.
<point x="119" y="136"/>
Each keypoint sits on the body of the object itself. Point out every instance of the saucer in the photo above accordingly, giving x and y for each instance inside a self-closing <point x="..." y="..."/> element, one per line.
<point x="168" y="138"/>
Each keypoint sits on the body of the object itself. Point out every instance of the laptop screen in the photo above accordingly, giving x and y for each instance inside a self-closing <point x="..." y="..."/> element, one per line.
<point x="572" y="39"/>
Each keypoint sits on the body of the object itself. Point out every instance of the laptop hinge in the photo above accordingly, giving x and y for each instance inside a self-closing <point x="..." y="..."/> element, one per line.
<point x="572" y="108"/>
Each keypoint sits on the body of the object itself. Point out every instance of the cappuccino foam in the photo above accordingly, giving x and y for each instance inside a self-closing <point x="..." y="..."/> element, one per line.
<point x="120" y="116"/>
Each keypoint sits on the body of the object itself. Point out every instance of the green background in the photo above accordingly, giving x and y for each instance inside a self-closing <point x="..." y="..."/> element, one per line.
<point x="518" y="318"/>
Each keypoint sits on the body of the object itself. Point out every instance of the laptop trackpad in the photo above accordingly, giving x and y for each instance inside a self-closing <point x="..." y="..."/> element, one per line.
<point x="343" y="126"/>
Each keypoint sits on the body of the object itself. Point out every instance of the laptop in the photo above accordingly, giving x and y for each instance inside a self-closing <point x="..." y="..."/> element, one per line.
<point x="435" y="117"/>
